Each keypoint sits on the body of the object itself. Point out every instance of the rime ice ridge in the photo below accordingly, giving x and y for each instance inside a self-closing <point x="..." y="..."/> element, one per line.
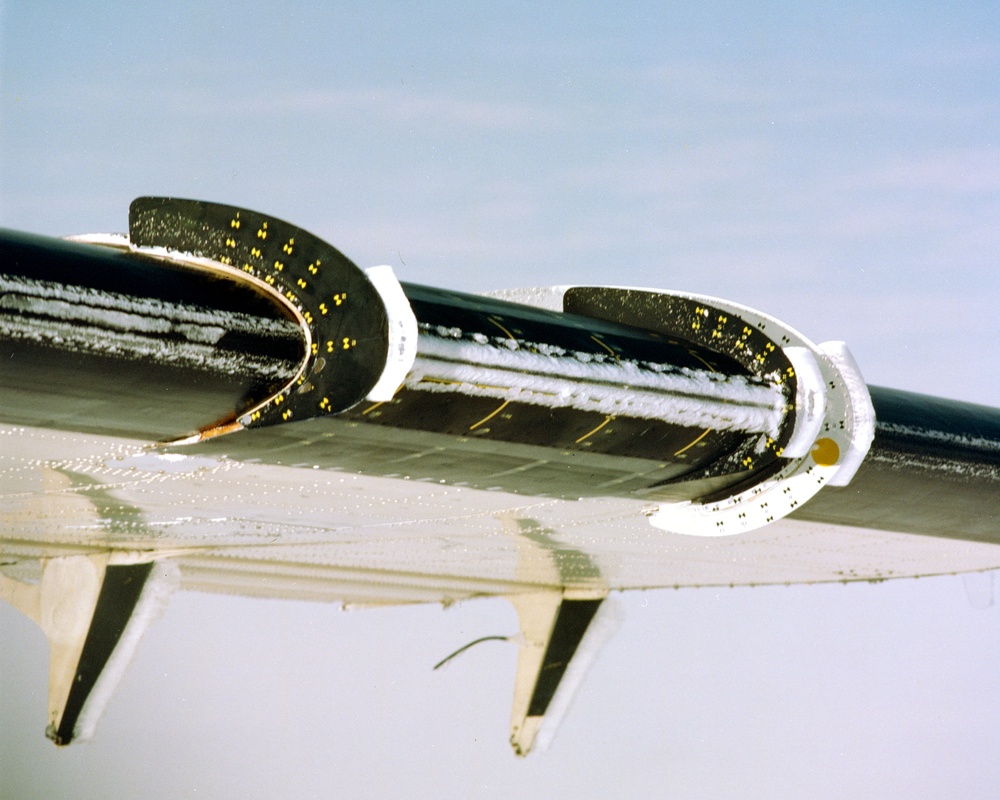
<point x="681" y="396"/>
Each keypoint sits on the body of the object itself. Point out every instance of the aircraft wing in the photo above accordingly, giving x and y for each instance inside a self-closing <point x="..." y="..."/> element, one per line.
<point x="221" y="401"/>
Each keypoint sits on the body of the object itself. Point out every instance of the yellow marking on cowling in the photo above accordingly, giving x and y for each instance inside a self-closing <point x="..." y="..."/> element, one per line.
<point x="314" y="267"/>
<point x="329" y="346"/>
<point x="602" y="344"/>
<point x="269" y="280"/>
<point x="226" y="260"/>
<point x="748" y="462"/>
<point x="262" y="231"/>
<point x="591" y="433"/>
<point x="301" y="283"/>
<point x="340" y="298"/>
<point x="315" y="348"/>
<point x="825" y="452"/>
<point x="288" y="247"/>
<point x="488" y="417"/>
<point x="501" y="327"/>
<point x="235" y="222"/>
<point x="286" y="414"/>
<point x="703" y="361"/>
<point x="308" y="317"/>
<point x="348" y="343"/>
<point x="324" y="404"/>
<point x="230" y="242"/>
<point x="699" y="311"/>
<point x="693" y="442"/>
<point x="788" y="374"/>
<point x="279" y="399"/>
<point x="255" y="252"/>
<point x="720" y="323"/>
<point x="323" y="309"/>
<point x="247" y="268"/>
<point x="430" y="379"/>
<point x="279" y="266"/>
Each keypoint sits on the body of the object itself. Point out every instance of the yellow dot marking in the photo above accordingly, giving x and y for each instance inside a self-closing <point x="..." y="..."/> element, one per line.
<point x="230" y="242"/>
<point x="315" y="348"/>
<point x="279" y="266"/>
<point x="339" y="298"/>
<point x="323" y="309"/>
<point x="825" y="452"/>
<point x="255" y="252"/>
<point x="301" y="283"/>
<point x="314" y="267"/>
<point x="235" y="223"/>
<point x="591" y="433"/>
<point x="324" y="404"/>
<point x="488" y="417"/>
<point x="288" y="247"/>
<point x="348" y="342"/>
<point x="694" y="442"/>
<point x="262" y="232"/>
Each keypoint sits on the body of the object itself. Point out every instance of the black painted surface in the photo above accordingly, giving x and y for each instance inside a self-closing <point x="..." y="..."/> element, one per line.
<point x="53" y="382"/>
<point x="571" y="624"/>
<point x="933" y="469"/>
<point x="562" y="428"/>
<point x="342" y="309"/>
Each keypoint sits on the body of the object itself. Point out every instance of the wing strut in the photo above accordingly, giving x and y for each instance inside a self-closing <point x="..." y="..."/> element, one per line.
<point x="93" y="611"/>
<point x="561" y="635"/>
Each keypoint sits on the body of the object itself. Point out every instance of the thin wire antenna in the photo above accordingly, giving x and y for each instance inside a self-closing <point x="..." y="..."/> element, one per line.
<point x="462" y="649"/>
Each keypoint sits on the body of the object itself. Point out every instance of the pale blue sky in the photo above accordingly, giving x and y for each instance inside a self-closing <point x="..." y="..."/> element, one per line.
<point x="836" y="165"/>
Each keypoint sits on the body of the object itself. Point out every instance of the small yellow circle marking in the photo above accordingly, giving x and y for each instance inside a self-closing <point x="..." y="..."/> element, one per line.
<point x="825" y="452"/>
